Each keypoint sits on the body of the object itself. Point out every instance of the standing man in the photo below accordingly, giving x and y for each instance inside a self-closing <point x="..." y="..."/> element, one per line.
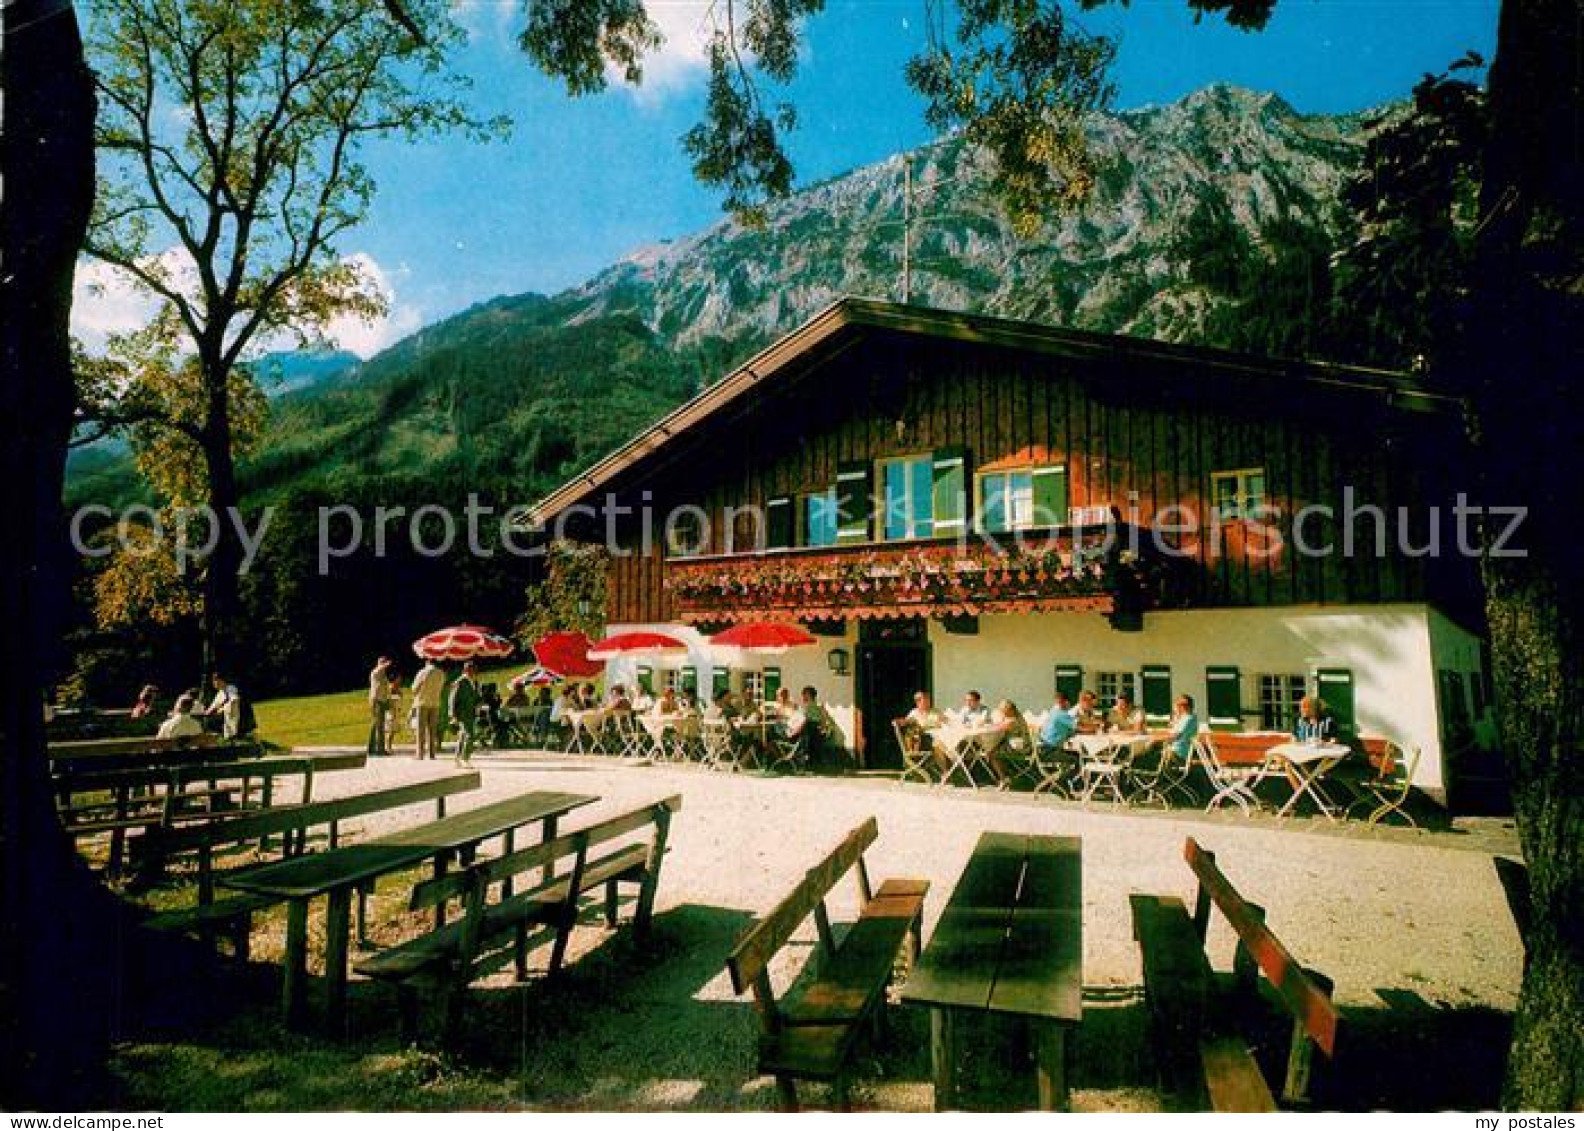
<point x="379" y="706"/>
<point x="464" y="712"/>
<point x="226" y="705"/>
<point x="427" y="689"/>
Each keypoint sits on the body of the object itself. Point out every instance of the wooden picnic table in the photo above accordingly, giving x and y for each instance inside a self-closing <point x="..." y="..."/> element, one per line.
<point x="1010" y="941"/>
<point x="339" y="873"/>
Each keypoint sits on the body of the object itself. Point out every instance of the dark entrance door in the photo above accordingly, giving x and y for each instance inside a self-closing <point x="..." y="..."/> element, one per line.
<point x="889" y="672"/>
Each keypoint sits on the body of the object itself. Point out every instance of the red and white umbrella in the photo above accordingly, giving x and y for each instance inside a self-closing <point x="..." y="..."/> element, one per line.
<point x="764" y="637"/>
<point x="566" y="654"/>
<point x="463" y="642"/>
<point x="637" y="645"/>
<point x="538" y="677"/>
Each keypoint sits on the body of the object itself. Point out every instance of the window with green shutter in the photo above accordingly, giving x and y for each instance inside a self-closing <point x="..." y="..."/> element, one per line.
<point x="1335" y="688"/>
<point x="772" y="682"/>
<point x="1050" y="495"/>
<point x="780" y="523"/>
<point x="819" y="518"/>
<point x="950" y="467"/>
<point x="854" y="502"/>
<point x="1224" y="698"/>
<point x="689" y="681"/>
<point x="1157" y="694"/>
<point x="1069" y="680"/>
<point x="646" y="679"/>
<point x="720" y="681"/>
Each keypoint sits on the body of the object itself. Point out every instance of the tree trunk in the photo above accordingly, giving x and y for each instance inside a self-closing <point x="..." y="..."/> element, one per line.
<point x="59" y="930"/>
<point x="220" y="573"/>
<point x="1520" y="357"/>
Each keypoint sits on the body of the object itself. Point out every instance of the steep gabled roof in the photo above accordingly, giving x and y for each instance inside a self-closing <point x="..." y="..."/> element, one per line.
<point x="851" y="314"/>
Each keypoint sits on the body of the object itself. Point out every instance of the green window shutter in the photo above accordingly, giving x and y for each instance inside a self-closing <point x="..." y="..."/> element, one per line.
<point x="1157" y="693"/>
<point x="646" y="679"/>
<point x="1335" y="687"/>
<point x="1050" y="496"/>
<point x="719" y="681"/>
<point x="1069" y="680"/>
<point x="689" y="679"/>
<point x="1224" y="698"/>
<point x="950" y="495"/>
<point x="779" y="523"/>
<point x="854" y="501"/>
<point x="772" y="683"/>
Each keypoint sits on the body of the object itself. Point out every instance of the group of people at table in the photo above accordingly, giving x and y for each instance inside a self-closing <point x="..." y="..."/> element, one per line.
<point x="781" y="718"/>
<point x="1002" y="731"/>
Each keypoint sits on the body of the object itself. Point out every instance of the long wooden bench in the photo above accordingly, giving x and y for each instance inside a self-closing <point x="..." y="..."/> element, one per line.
<point x="810" y="1033"/>
<point x="142" y="800"/>
<point x="232" y="917"/>
<point x="90" y="748"/>
<point x="1195" y="1032"/>
<point x="454" y="955"/>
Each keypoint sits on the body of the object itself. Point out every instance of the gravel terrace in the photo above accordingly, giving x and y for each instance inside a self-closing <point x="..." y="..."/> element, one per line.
<point x="1411" y="925"/>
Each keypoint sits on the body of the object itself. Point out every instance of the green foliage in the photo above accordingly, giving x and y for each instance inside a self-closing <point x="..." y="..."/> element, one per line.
<point x="575" y="40"/>
<point x="570" y="596"/>
<point x="1018" y="82"/>
<point x="1401" y="284"/>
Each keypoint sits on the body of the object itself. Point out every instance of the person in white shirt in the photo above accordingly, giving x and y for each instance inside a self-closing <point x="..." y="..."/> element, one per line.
<point x="180" y="723"/>
<point x="379" y="705"/>
<point x="923" y="715"/>
<point x="973" y="712"/>
<point x="227" y="705"/>
<point x="667" y="706"/>
<point x="427" y="690"/>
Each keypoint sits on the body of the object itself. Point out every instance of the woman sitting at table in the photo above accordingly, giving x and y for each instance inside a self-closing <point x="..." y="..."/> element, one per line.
<point x="1087" y="714"/>
<point x="1184" y="727"/>
<point x="1012" y="736"/>
<point x="617" y="700"/>
<point x="1125" y="717"/>
<point x="781" y="707"/>
<point x="1315" y="723"/>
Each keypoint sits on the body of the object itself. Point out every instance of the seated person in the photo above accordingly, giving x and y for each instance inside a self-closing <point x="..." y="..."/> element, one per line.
<point x="617" y="700"/>
<point x="973" y="712"/>
<point x="1088" y="716"/>
<point x="810" y="725"/>
<point x="689" y="702"/>
<point x="724" y="707"/>
<point x="1060" y="725"/>
<point x="1184" y="726"/>
<point x="1315" y="723"/>
<point x="1013" y="735"/>
<point x="1124" y="717"/>
<point x="667" y="706"/>
<point x="144" y="706"/>
<point x="181" y="722"/>
<point x="923" y="715"/>
<point x="782" y="705"/>
<point x="516" y="698"/>
<point x="643" y="701"/>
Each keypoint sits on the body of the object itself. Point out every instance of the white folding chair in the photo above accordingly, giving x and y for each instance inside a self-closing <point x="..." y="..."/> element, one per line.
<point x="1104" y="769"/>
<point x="720" y="752"/>
<point x="915" y="757"/>
<point x="1234" y="782"/>
<point x="1386" y="791"/>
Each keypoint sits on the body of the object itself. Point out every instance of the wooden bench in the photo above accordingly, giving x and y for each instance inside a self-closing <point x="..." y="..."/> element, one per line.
<point x="232" y="917"/>
<point x="1190" y="1024"/>
<point x="811" y="1032"/>
<point x="148" y="799"/>
<point x="454" y="955"/>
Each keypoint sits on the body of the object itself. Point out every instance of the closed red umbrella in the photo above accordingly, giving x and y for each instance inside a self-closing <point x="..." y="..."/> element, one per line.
<point x="764" y="636"/>
<point x="637" y="644"/>
<point x="539" y="677"/>
<point x="566" y="654"/>
<point x="463" y="642"/>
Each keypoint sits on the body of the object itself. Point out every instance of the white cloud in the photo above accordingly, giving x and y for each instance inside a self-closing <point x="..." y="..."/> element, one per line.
<point x="486" y="19"/>
<point x="367" y="338"/>
<point x="684" y="56"/>
<point x="106" y="301"/>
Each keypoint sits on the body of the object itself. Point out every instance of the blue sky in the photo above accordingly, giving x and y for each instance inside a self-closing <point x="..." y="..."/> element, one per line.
<point x="582" y="182"/>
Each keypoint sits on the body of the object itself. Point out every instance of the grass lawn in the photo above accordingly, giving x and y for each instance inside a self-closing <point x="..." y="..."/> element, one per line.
<point x="339" y="718"/>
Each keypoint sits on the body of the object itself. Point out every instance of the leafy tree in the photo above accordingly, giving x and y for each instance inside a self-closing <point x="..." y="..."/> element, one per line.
<point x="230" y="138"/>
<point x="570" y="596"/>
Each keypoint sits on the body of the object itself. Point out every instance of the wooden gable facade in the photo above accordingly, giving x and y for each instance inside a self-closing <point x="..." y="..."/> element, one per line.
<point x="1088" y="425"/>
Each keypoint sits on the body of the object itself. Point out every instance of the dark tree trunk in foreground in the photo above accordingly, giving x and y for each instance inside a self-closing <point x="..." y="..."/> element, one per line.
<point x="59" y="935"/>
<point x="1523" y="359"/>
